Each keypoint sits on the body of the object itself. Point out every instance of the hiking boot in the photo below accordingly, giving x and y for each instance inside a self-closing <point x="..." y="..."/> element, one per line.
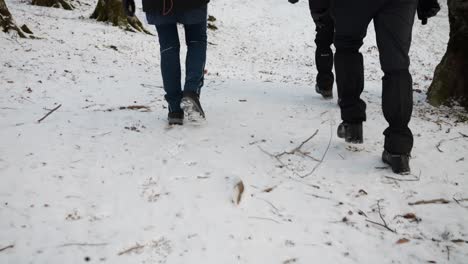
<point x="175" y="118"/>
<point x="398" y="162"/>
<point x="351" y="132"/>
<point x="326" y="93"/>
<point x="191" y="105"/>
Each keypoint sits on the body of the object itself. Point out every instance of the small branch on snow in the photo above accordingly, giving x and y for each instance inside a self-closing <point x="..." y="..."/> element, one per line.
<point x="84" y="244"/>
<point x="270" y="203"/>
<point x="298" y="148"/>
<point x="448" y="253"/>
<point x="132" y="249"/>
<point x="7" y="247"/>
<point x="416" y="178"/>
<point x="445" y="140"/>
<point x="324" y="154"/>
<point x="459" y="201"/>
<point x="438" y="146"/>
<point x="318" y="196"/>
<point x="264" y="218"/>
<point x="305" y="183"/>
<point x="384" y="225"/>
<point x="49" y="113"/>
<point x="434" y="201"/>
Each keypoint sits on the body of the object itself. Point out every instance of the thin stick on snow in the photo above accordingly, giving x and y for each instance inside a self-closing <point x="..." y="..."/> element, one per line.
<point x="270" y="203"/>
<point x="134" y="248"/>
<point x="434" y="201"/>
<point x="49" y="113"/>
<point x="416" y="178"/>
<point x="298" y="148"/>
<point x="7" y="247"/>
<point x="318" y="196"/>
<point x="448" y="252"/>
<point x="84" y="244"/>
<point x="458" y="201"/>
<point x="264" y="218"/>
<point x="384" y="225"/>
<point x="323" y="156"/>
<point x="445" y="140"/>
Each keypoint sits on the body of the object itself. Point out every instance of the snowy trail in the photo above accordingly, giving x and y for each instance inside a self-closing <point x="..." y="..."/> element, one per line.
<point x="96" y="183"/>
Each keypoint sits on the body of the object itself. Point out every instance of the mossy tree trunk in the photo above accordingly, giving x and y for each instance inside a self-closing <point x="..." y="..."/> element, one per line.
<point x="7" y="22"/>
<point x="112" y="11"/>
<point x="451" y="76"/>
<point x="65" y="4"/>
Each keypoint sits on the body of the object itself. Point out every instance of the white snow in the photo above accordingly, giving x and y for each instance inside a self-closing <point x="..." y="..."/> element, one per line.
<point x="92" y="185"/>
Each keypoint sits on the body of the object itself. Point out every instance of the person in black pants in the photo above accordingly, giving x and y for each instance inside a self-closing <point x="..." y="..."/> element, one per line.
<point x="393" y="23"/>
<point x="324" y="27"/>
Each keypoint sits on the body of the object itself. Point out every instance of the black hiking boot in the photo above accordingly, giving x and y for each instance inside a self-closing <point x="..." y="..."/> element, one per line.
<point x="351" y="132"/>
<point x="191" y="105"/>
<point x="176" y="118"/>
<point x="398" y="162"/>
<point x="326" y="93"/>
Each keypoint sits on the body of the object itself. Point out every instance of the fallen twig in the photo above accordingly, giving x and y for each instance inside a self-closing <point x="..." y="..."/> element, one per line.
<point x="434" y="201"/>
<point x="264" y="218"/>
<point x="444" y="140"/>
<point x="416" y="178"/>
<point x="305" y="183"/>
<point x="448" y="253"/>
<point x="84" y="244"/>
<point x="134" y="248"/>
<point x="318" y="196"/>
<point x="298" y="148"/>
<point x="384" y="225"/>
<point x="7" y="247"/>
<point x="49" y="113"/>
<point x="323" y="156"/>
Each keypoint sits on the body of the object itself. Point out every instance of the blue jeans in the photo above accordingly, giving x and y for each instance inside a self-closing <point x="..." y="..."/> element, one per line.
<point x="196" y="41"/>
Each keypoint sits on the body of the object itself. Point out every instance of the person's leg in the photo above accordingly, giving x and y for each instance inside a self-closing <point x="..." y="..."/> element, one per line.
<point x="170" y="65"/>
<point x="324" y="54"/>
<point x="393" y="26"/>
<point x="196" y="40"/>
<point x="351" y="21"/>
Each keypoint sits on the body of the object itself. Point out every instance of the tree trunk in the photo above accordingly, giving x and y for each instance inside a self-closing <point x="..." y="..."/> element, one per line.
<point x="112" y="11"/>
<point x="54" y="3"/>
<point x="451" y="76"/>
<point x="7" y="23"/>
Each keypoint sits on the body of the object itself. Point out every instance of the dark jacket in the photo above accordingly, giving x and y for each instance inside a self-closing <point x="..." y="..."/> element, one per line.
<point x="169" y="7"/>
<point x="319" y="6"/>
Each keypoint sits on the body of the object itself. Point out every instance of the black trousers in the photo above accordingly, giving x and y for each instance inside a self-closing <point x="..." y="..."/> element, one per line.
<point x="393" y="22"/>
<point x="323" y="54"/>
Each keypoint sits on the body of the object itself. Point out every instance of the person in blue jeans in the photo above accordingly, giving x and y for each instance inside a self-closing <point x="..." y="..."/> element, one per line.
<point x="165" y="15"/>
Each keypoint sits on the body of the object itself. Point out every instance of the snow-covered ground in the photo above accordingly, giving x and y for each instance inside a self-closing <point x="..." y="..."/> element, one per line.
<point x="98" y="182"/>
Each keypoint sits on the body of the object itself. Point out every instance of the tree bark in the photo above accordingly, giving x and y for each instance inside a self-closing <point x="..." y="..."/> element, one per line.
<point x="7" y="22"/>
<point x="65" y="4"/>
<point x="451" y="76"/>
<point x="112" y="11"/>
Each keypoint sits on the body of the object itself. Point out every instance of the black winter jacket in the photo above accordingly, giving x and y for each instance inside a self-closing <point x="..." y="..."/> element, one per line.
<point x="318" y="6"/>
<point x="168" y="7"/>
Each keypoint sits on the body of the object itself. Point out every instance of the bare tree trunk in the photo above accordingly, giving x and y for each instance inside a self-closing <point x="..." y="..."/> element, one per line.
<point x="451" y="76"/>
<point x="112" y="11"/>
<point x="7" y="22"/>
<point x="65" y="4"/>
